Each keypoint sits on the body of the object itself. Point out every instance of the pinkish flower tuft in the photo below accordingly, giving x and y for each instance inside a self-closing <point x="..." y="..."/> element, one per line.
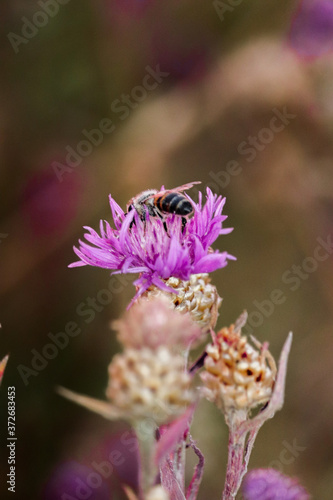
<point x="158" y="249"/>
<point x="153" y="323"/>
<point x="270" y="484"/>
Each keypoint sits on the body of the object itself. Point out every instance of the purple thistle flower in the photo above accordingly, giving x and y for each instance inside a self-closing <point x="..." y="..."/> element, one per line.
<point x="270" y="484"/>
<point x="311" y="33"/>
<point x="158" y="249"/>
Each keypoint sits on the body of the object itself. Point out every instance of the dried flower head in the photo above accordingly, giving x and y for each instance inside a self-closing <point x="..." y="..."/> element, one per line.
<point x="237" y="375"/>
<point x="153" y="322"/>
<point x="149" y="379"/>
<point x="143" y="383"/>
<point x="158" y="249"/>
<point x="149" y="383"/>
<point x="196" y="296"/>
<point x="270" y="484"/>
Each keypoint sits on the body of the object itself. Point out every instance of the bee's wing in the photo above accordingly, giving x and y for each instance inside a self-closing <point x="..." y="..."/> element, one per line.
<point x="178" y="189"/>
<point x="184" y="187"/>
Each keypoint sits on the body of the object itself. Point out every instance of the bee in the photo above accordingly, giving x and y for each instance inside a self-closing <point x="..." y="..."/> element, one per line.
<point x="162" y="203"/>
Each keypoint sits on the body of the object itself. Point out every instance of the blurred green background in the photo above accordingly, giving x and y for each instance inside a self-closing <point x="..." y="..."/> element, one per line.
<point x="227" y="72"/>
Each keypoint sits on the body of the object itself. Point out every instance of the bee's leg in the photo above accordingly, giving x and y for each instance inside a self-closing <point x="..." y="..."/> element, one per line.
<point x="138" y="208"/>
<point x="184" y="220"/>
<point x="132" y="221"/>
<point x="164" y="223"/>
<point x="128" y="211"/>
<point x="158" y="214"/>
<point x="143" y="217"/>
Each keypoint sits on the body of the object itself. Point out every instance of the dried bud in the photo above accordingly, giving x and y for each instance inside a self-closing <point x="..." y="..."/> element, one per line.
<point x="149" y="383"/>
<point x="196" y="296"/>
<point x="151" y="322"/>
<point x="237" y="376"/>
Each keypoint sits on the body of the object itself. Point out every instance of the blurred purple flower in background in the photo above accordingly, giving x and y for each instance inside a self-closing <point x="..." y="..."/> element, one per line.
<point x="158" y="249"/>
<point x="270" y="484"/>
<point x="185" y="58"/>
<point x="311" y="32"/>
<point x="48" y="206"/>
<point x="112" y="463"/>
<point x="74" y="480"/>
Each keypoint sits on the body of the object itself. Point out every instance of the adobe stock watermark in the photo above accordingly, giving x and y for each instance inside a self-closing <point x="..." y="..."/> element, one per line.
<point x="288" y="455"/>
<point x="221" y="8"/>
<point x="123" y="106"/>
<point x="30" y="28"/>
<point x="57" y="342"/>
<point x="249" y="148"/>
<point x="293" y="278"/>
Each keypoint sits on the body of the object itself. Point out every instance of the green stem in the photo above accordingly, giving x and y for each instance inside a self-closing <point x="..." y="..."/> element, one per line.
<point x="148" y="470"/>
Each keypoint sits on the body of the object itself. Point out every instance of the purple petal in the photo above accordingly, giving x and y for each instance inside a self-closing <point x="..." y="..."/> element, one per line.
<point x="210" y="263"/>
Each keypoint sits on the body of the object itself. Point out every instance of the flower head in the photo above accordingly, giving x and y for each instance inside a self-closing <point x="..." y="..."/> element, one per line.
<point x="150" y="383"/>
<point x="197" y="296"/>
<point x="158" y="249"/>
<point x="153" y="323"/>
<point x="237" y="376"/>
<point x="143" y="383"/>
<point x="149" y="379"/>
<point x="270" y="484"/>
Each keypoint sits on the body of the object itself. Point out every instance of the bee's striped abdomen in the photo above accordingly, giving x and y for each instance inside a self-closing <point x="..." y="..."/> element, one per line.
<point x="174" y="203"/>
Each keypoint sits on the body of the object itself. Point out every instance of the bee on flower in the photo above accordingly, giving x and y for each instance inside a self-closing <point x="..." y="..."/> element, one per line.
<point x="167" y="238"/>
<point x="162" y="203"/>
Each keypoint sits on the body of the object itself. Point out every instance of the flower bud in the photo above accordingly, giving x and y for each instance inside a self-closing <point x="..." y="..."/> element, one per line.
<point x="152" y="322"/>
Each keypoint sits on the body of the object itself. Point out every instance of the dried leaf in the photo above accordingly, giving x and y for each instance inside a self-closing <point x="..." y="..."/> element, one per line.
<point x="129" y="492"/>
<point x="277" y="399"/>
<point x="96" y="405"/>
<point x="3" y="364"/>
<point x="173" y="435"/>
